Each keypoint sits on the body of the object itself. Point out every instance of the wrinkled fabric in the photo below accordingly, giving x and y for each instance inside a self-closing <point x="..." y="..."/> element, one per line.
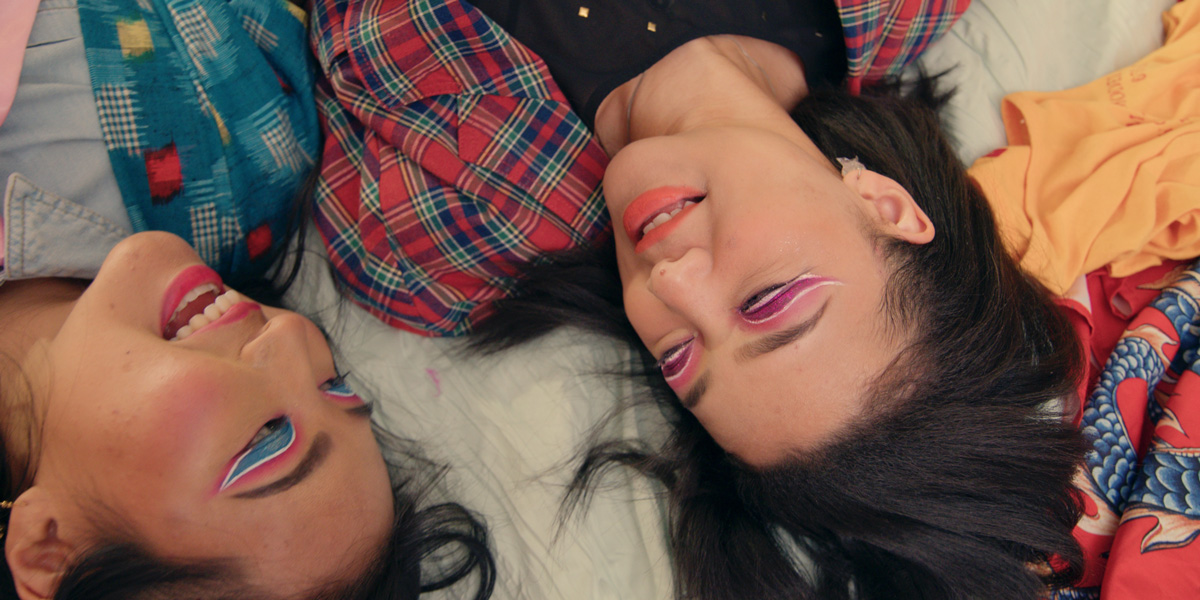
<point x="1106" y="174"/>
<point x="451" y="157"/>
<point x="1140" y="482"/>
<point x="206" y="110"/>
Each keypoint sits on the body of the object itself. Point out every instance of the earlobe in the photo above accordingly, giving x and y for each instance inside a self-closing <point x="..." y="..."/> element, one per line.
<point x="896" y="209"/>
<point x="35" y="546"/>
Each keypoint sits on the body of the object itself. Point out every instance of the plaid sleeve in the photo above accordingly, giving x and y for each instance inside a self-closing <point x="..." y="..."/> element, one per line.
<point x="883" y="36"/>
<point x="450" y="159"/>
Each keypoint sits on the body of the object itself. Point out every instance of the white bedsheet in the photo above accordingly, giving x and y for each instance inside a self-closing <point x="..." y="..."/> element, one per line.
<point x="505" y="425"/>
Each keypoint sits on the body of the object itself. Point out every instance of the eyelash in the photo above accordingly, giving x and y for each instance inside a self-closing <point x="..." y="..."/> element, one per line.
<point x="336" y="381"/>
<point x="339" y="391"/>
<point x="265" y="431"/>
<point x="757" y="297"/>
<point x="675" y="358"/>
<point x="767" y="302"/>
<point x="256" y="453"/>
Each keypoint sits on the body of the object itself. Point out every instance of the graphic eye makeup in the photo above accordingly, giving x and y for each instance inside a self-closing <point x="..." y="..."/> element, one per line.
<point x="766" y="304"/>
<point x="270" y="442"/>
<point x="339" y="391"/>
<point x="675" y="361"/>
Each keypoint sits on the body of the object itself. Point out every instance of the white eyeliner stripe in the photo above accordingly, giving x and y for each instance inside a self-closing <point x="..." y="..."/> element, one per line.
<point x="793" y="301"/>
<point x="238" y="470"/>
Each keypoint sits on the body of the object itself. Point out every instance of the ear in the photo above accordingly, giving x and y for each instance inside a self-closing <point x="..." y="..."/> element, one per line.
<point x="35" y="545"/>
<point x="895" y="208"/>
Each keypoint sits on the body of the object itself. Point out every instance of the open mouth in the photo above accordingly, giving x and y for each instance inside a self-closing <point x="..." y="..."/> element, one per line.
<point x="199" y="307"/>
<point x="666" y="215"/>
<point x="651" y="215"/>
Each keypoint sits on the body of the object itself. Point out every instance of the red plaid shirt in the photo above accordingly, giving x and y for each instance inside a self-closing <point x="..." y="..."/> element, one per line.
<point x="451" y="157"/>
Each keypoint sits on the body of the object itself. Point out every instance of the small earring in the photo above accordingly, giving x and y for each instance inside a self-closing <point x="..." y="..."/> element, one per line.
<point x="4" y="505"/>
<point x="850" y="165"/>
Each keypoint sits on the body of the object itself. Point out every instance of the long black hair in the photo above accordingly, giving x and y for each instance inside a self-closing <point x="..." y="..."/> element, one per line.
<point x="428" y="549"/>
<point x="958" y="485"/>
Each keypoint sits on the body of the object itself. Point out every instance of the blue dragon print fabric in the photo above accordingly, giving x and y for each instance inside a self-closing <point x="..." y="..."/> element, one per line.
<point x="1141" y="480"/>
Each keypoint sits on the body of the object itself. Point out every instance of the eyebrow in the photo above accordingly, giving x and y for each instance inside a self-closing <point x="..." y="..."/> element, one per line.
<point x="363" y="410"/>
<point x="692" y="398"/>
<point x="754" y="349"/>
<point x="316" y="455"/>
<point x="774" y="341"/>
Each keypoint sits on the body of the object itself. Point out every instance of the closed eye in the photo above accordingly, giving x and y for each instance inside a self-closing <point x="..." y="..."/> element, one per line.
<point x="760" y="301"/>
<point x="270" y="442"/>
<point x="675" y="360"/>
<point x="268" y="429"/>
<point x="769" y="301"/>
<point x="773" y="300"/>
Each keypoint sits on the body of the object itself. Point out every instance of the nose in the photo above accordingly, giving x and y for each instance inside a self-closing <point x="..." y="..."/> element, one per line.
<point x="682" y="283"/>
<point x="289" y="343"/>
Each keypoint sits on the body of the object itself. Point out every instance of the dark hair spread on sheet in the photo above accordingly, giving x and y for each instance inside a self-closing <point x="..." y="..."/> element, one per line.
<point x="955" y="484"/>
<point x="428" y="548"/>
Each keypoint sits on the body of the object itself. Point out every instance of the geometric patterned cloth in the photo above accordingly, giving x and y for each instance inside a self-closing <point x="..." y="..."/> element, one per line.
<point x="1141" y="480"/>
<point x="884" y="36"/>
<point x="451" y="157"/>
<point x="207" y="113"/>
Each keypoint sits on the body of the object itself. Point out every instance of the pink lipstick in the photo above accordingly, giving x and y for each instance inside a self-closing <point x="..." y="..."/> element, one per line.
<point x="190" y="279"/>
<point x="649" y="205"/>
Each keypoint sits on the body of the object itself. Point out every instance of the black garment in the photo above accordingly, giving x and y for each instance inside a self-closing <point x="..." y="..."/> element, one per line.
<point x="591" y="55"/>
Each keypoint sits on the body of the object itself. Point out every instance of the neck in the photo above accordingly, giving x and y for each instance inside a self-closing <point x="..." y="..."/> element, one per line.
<point x="31" y="312"/>
<point x="712" y="80"/>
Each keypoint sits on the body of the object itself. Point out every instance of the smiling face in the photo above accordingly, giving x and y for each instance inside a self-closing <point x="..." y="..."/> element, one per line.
<point x="762" y="301"/>
<point x="235" y="440"/>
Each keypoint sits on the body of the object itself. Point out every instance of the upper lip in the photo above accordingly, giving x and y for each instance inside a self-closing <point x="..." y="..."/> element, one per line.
<point x="651" y="203"/>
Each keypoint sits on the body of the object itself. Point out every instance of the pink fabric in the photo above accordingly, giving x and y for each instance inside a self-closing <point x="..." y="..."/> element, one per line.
<point x="16" y="21"/>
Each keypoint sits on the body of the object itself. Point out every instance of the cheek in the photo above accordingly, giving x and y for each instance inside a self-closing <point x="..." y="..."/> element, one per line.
<point x="182" y="414"/>
<point x="645" y="313"/>
<point x="158" y="431"/>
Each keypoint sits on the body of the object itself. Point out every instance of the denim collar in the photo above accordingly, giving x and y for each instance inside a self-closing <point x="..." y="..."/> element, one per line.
<point x="49" y="236"/>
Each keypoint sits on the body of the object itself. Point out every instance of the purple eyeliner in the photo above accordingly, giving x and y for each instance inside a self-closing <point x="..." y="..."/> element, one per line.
<point x="779" y="300"/>
<point x="675" y="361"/>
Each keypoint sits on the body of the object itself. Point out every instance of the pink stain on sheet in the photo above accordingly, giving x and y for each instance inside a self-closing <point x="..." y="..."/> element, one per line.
<point x="437" y="383"/>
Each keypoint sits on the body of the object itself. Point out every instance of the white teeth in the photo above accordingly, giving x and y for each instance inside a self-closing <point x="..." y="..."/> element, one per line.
<point x="198" y="321"/>
<point x="659" y="220"/>
<point x="211" y="313"/>
<point x="196" y="293"/>
<point x="664" y="217"/>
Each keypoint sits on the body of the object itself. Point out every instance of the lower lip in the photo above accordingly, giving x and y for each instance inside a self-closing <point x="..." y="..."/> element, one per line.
<point x="652" y="202"/>
<point x="188" y="280"/>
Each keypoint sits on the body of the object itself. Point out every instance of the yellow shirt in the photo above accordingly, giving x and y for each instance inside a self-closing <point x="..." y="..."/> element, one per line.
<point x="1107" y="173"/>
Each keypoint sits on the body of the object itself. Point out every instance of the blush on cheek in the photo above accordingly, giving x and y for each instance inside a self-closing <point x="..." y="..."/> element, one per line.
<point x="142" y="445"/>
<point x="166" y="416"/>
